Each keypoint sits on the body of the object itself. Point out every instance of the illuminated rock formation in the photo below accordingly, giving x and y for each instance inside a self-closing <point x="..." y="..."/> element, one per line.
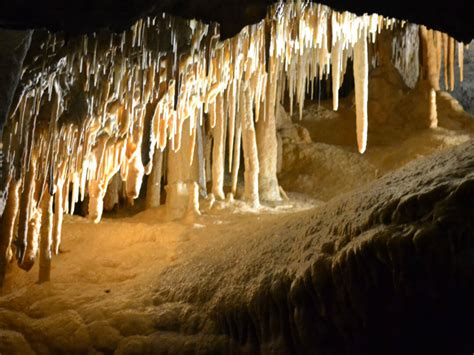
<point x="91" y="107"/>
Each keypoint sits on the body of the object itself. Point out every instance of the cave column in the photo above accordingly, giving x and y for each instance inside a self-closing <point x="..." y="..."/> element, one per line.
<point x="153" y="191"/>
<point x="112" y="195"/>
<point x="429" y="78"/>
<point x="267" y="140"/>
<point x="249" y="144"/>
<point x="181" y="191"/>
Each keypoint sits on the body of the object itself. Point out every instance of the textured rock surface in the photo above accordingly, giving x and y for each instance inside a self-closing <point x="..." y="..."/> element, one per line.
<point x="385" y="269"/>
<point x="13" y="48"/>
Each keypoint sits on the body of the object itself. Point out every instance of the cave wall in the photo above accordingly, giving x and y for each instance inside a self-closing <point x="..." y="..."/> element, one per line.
<point x="13" y="48"/>
<point x="464" y="92"/>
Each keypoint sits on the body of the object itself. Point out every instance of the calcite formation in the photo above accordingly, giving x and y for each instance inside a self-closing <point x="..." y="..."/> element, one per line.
<point x="92" y="107"/>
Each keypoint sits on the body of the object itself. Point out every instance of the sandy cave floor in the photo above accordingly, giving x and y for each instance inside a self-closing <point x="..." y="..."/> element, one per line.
<point x="106" y="278"/>
<point x="104" y="282"/>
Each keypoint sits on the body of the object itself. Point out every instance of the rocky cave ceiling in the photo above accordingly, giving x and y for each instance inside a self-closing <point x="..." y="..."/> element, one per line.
<point x="453" y="17"/>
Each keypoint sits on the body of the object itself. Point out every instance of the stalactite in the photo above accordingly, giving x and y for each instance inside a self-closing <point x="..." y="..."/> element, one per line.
<point x="32" y="242"/>
<point x="461" y="61"/>
<point x="237" y="146"/>
<point x="439" y="55"/>
<point x="451" y="63"/>
<point x="7" y="225"/>
<point x="445" y="59"/>
<point x="231" y="122"/>
<point x="58" y="218"/>
<point x="218" y="150"/>
<point x="430" y="60"/>
<point x="361" y="77"/>
<point x="430" y="73"/>
<point x="135" y="174"/>
<point x="26" y="203"/>
<point x="208" y="155"/>
<point x="336" y="73"/>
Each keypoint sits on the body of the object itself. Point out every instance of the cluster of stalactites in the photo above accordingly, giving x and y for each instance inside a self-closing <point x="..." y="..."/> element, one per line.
<point x="439" y="55"/>
<point x="103" y="105"/>
<point x="423" y="56"/>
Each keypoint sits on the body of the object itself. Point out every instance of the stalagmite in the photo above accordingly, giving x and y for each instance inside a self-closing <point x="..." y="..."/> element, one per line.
<point x="153" y="189"/>
<point x="361" y="78"/>
<point x="193" y="200"/>
<point x="46" y="237"/>
<point x="433" y="110"/>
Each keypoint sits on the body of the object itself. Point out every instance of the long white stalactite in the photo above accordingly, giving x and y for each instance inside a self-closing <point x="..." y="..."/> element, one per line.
<point x="361" y="78"/>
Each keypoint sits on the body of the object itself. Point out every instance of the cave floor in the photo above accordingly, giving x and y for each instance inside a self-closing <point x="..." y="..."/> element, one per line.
<point x="105" y="279"/>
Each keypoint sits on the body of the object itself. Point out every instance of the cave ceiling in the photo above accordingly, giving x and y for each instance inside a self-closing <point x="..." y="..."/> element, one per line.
<point x="453" y="17"/>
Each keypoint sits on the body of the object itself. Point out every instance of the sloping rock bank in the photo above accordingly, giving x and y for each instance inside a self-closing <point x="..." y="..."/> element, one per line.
<point x="387" y="269"/>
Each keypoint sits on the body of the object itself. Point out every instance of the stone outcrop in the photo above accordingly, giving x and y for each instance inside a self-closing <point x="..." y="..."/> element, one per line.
<point x="386" y="269"/>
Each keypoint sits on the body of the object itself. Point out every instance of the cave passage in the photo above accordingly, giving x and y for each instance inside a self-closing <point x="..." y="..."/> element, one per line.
<point x="169" y="120"/>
